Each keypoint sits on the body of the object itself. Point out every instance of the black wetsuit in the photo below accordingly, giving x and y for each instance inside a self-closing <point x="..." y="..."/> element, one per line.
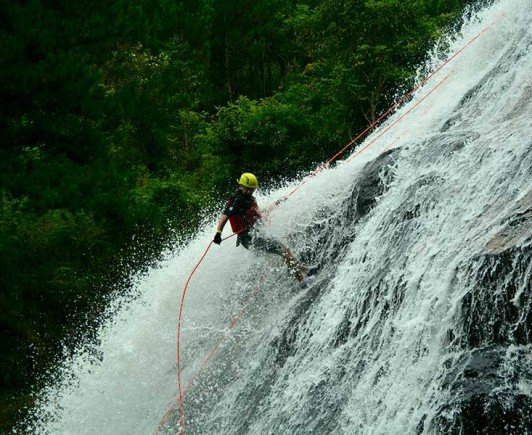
<point x="243" y="215"/>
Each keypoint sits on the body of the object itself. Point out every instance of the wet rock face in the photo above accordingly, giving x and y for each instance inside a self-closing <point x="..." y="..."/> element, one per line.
<point x="362" y="199"/>
<point x="489" y="386"/>
<point x="370" y="187"/>
<point x="517" y="230"/>
<point x="488" y="381"/>
<point x="487" y="395"/>
<point x="499" y="311"/>
<point x="331" y="224"/>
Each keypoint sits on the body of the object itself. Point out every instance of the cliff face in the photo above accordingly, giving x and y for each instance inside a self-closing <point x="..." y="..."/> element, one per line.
<point x="487" y="384"/>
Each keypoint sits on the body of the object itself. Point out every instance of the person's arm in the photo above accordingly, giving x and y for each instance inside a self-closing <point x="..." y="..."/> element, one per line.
<point x="221" y="224"/>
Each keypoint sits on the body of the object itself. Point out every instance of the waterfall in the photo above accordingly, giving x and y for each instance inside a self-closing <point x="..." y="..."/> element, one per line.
<point x="420" y="320"/>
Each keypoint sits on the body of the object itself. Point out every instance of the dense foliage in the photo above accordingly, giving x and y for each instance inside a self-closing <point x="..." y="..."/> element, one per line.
<point x="121" y="121"/>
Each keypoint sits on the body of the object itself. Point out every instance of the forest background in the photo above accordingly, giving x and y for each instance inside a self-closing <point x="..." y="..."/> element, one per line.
<point x="124" y="123"/>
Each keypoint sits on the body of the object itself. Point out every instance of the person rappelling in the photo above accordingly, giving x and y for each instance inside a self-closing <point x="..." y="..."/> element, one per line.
<point x="242" y="212"/>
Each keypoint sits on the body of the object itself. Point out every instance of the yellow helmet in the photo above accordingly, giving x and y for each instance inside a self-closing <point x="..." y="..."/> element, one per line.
<point x="248" y="180"/>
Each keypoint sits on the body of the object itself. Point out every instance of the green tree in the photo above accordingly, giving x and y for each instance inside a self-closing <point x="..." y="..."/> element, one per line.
<point x="247" y="47"/>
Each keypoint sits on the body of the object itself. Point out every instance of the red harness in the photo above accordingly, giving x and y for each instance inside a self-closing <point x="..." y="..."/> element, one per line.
<point x="241" y="223"/>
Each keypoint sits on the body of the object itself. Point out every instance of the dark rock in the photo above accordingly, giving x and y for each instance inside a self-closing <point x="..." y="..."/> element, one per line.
<point x="486" y="395"/>
<point x="489" y="386"/>
<point x="370" y="187"/>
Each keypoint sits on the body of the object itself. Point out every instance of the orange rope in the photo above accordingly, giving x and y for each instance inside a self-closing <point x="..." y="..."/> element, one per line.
<point x="234" y="321"/>
<point x="378" y="120"/>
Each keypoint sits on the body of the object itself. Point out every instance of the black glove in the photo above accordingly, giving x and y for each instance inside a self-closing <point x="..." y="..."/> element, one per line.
<point x="218" y="238"/>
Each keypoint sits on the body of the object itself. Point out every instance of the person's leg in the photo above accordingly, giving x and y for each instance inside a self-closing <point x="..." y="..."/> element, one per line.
<point x="244" y="239"/>
<point x="272" y="246"/>
<point x="295" y="266"/>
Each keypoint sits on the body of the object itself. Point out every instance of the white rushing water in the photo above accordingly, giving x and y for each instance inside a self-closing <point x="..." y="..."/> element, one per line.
<point x="379" y="343"/>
